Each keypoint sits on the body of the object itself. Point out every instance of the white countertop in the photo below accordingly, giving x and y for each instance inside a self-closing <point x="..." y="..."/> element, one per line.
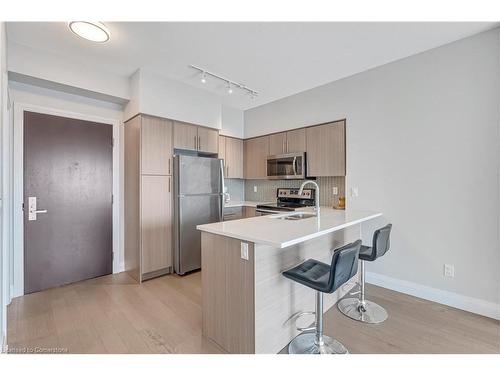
<point x="283" y="233"/>
<point x="243" y="203"/>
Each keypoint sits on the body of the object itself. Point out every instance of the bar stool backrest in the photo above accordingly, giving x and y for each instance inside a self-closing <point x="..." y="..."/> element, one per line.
<point x="344" y="265"/>
<point x="382" y="240"/>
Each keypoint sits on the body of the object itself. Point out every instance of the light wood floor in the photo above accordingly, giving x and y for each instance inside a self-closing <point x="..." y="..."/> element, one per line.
<point x="113" y="314"/>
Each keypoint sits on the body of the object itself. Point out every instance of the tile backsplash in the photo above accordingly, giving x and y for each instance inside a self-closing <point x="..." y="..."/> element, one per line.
<point x="235" y="188"/>
<point x="266" y="189"/>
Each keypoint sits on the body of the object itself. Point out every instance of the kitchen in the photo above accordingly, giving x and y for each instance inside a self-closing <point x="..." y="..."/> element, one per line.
<point x="313" y="212"/>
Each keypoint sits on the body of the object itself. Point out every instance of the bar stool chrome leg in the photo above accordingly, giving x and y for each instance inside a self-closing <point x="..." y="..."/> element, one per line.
<point x="361" y="309"/>
<point x="316" y="342"/>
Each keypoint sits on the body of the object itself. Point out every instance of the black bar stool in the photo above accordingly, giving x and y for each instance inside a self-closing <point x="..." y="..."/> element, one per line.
<point x="360" y="308"/>
<point x="323" y="278"/>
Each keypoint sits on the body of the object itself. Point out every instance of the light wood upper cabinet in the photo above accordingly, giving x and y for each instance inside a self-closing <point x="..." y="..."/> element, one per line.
<point x="277" y="144"/>
<point x="222" y="147"/>
<point x="296" y="140"/>
<point x="156" y="223"/>
<point x="208" y="140"/>
<point x="234" y="157"/>
<point x="255" y="153"/>
<point x="325" y="147"/>
<point x="194" y="137"/>
<point x="185" y="136"/>
<point x="287" y="142"/>
<point x="156" y="146"/>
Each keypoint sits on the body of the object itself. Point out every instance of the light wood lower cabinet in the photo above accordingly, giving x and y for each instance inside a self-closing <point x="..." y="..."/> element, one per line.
<point x="326" y="150"/>
<point x="156" y="223"/>
<point x="148" y="197"/>
<point x="248" y="211"/>
<point x="255" y="151"/>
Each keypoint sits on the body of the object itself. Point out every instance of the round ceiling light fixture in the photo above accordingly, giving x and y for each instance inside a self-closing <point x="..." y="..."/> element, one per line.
<point x="93" y="31"/>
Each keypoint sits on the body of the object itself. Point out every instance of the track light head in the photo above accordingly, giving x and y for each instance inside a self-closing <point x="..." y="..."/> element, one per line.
<point x="229" y="88"/>
<point x="203" y="77"/>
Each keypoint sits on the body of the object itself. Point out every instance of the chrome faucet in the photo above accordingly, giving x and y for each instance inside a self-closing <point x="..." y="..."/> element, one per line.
<point x="316" y="195"/>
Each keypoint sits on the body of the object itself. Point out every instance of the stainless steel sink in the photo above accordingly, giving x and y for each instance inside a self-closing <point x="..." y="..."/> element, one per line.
<point x="296" y="216"/>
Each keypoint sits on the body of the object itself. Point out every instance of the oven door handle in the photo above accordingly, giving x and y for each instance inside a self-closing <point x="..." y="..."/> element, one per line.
<point x="267" y="211"/>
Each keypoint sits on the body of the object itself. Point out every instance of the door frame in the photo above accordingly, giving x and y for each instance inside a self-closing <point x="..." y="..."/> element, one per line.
<point x="18" y="187"/>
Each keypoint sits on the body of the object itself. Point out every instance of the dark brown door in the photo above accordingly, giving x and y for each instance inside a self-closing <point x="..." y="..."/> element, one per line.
<point x="68" y="170"/>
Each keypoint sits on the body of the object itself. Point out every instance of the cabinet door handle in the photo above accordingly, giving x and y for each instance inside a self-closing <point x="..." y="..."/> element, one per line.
<point x="169" y="164"/>
<point x="169" y="184"/>
<point x="287" y="145"/>
<point x="195" y="145"/>
<point x="199" y="143"/>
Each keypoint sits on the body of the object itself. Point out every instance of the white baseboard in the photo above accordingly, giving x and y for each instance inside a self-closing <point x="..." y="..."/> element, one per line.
<point x="474" y="305"/>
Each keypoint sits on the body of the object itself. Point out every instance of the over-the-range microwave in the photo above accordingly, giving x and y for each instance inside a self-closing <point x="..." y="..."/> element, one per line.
<point x="287" y="166"/>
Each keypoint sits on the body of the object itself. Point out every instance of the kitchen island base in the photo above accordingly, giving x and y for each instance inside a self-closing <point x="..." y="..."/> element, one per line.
<point x="247" y="303"/>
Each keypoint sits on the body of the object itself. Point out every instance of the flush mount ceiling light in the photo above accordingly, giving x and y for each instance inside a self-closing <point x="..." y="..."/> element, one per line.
<point x="229" y="84"/>
<point x="93" y="31"/>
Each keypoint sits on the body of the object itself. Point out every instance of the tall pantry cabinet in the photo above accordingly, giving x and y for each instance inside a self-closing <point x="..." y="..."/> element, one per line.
<point x="148" y="196"/>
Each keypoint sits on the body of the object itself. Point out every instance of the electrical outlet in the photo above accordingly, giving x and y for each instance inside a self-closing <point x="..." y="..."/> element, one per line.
<point x="244" y="251"/>
<point x="254" y="189"/>
<point x="449" y="270"/>
<point x="354" y="192"/>
<point x="335" y="190"/>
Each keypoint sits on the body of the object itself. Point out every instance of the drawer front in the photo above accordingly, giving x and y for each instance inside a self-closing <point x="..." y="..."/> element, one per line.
<point x="233" y="213"/>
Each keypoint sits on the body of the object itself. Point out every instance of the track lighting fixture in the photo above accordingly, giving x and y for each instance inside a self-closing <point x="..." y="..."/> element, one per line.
<point x="230" y="84"/>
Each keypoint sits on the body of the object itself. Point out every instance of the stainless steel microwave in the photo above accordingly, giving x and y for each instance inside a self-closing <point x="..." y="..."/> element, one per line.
<point x="287" y="166"/>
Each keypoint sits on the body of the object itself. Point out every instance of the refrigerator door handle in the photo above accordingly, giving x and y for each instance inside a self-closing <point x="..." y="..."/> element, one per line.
<point x="223" y="187"/>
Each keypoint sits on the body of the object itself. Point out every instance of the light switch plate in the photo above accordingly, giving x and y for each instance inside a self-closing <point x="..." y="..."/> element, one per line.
<point x="335" y="190"/>
<point x="354" y="191"/>
<point x="254" y="189"/>
<point x="244" y="251"/>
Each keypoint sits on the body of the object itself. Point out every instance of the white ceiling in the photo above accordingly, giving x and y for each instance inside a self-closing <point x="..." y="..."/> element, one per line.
<point x="276" y="59"/>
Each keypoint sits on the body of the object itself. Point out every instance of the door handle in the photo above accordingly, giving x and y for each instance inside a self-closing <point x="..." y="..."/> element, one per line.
<point x="32" y="209"/>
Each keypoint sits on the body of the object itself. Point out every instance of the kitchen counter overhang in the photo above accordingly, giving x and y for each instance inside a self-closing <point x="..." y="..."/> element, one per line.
<point x="275" y="232"/>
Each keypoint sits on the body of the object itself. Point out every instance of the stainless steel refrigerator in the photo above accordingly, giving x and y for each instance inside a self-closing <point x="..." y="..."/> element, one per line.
<point x="198" y="199"/>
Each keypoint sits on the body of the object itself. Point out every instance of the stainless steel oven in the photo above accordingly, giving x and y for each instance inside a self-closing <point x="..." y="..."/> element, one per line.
<point x="287" y="166"/>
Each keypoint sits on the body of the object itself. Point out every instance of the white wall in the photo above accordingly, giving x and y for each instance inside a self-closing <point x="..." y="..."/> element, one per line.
<point x="232" y="122"/>
<point x="65" y="71"/>
<point x="4" y="260"/>
<point x="155" y="95"/>
<point x="423" y="148"/>
<point x="78" y="106"/>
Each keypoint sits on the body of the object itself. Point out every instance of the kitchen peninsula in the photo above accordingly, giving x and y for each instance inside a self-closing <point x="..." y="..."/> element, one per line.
<point x="247" y="303"/>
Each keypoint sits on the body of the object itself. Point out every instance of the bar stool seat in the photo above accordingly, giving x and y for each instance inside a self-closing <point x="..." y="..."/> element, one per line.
<point x="323" y="278"/>
<point x="312" y="273"/>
